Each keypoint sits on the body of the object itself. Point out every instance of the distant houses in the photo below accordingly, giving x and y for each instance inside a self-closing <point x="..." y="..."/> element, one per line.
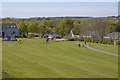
<point x="113" y="35"/>
<point x="7" y="28"/>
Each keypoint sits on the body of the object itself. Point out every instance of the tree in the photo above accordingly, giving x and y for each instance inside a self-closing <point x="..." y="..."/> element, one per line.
<point x="112" y="27"/>
<point x="65" y="26"/>
<point x="77" y="27"/>
<point x="24" y="29"/>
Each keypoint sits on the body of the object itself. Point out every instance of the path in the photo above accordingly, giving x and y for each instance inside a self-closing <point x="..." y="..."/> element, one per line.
<point x="100" y="50"/>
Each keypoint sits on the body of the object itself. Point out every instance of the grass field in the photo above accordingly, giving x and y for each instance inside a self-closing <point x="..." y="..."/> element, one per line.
<point x="0" y="60"/>
<point x="36" y="59"/>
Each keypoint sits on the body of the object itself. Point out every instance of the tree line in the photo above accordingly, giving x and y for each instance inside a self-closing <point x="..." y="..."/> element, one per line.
<point x="97" y="28"/>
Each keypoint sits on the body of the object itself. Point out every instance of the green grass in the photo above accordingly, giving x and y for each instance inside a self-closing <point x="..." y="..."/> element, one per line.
<point x="0" y="60"/>
<point x="36" y="59"/>
<point x="105" y="47"/>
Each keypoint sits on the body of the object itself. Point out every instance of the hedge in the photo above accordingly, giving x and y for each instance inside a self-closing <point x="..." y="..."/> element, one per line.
<point x="88" y="40"/>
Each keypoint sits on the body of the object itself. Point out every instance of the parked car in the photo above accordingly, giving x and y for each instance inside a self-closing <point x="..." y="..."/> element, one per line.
<point x="57" y="37"/>
<point x="43" y="36"/>
<point x="50" y="37"/>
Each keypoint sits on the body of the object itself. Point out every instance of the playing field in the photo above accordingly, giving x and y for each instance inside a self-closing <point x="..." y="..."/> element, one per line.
<point x="36" y="59"/>
<point x="0" y="59"/>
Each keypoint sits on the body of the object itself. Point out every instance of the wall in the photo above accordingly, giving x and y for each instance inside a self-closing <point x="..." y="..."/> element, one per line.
<point x="7" y="31"/>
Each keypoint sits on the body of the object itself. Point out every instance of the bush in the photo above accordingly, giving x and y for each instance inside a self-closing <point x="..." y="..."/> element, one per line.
<point x="118" y="43"/>
<point x="78" y="39"/>
<point x="31" y="36"/>
<point x="23" y="35"/>
<point x="71" y="39"/>
<point x="93" y="41"/>
<point x="109" y="42"/>
<point x="104" y="42"/>
<point x="96" y="41"/>
<point x="100" y="41"/>
<point x="18" y="36"/>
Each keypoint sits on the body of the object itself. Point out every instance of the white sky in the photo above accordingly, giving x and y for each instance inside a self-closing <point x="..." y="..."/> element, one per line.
<point x="43" y="10"/>
<point x="60" y="0"/>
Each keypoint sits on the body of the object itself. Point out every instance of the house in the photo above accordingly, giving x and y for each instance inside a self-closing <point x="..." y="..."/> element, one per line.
<point x="113" y="36"/>
<point x="6" y="28"/>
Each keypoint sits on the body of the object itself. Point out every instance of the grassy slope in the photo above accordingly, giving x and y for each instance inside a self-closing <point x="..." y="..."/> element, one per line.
<point x="104" y="47"/>
<point x="0" y="60"/>
<point x="36" y="59"/>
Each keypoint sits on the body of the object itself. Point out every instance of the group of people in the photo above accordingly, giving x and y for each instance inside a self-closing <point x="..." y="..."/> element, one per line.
<point x="83" y="45"/>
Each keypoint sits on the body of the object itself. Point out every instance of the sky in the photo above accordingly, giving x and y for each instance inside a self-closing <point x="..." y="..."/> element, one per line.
<point x="55" y="9"/>
<point x="60" y="0"/>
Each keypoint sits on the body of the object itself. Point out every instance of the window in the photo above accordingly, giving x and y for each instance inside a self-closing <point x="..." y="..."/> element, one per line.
<point x="13" y="32"/>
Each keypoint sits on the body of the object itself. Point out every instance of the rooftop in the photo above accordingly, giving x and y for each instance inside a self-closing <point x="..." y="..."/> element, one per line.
<point x="8" y="26"/>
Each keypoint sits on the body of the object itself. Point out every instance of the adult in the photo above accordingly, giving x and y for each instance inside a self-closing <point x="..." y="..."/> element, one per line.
<point x="79" y="44"/>
<point x="85" y="42"/>
<point x="46" y="40"/>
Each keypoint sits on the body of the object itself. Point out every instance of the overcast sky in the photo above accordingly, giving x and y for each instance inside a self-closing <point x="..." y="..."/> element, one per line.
<point x="51" y="9"/>
<point x="59" y="0"/>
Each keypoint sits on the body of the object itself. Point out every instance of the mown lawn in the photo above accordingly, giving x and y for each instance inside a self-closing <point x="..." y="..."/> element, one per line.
<point x="36" y="59"/>
<point x="105" y="47"/>
<point x="0" y="59"/>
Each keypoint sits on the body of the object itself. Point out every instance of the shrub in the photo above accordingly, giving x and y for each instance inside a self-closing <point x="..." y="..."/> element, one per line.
<point x="96" y="41"/>
<point x="19" y="36"/>
<point x="100" y="41"/>
<point x="71" y="39"/>
<point x="104" y="42"/>
<point x="109" y="42"/>
<point x="31" y="36"/>
<point x="78" y="39"/>
<point x="118" y="42"/>
<point x="93" y="41"/>
<point x="23" y="35"/>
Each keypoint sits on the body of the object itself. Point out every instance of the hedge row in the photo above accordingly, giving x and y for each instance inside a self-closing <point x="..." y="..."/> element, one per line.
<point x="87" y="40"/>
<point x="118" y="43"/>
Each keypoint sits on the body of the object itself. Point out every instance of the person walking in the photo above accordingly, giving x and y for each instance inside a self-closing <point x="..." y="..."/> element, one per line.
<point x="85" y="42"/>
<point x="46" y="40"/>
<point x="79" y="44"/>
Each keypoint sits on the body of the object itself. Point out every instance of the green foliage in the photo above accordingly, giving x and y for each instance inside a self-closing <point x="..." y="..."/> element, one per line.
<point x="64" y="27"/>
<point x="6" y="75"/>
<point x="96" y="27"/>
<point x="19" y="36"/>
<point x="88" y="40"/>
<point x="31" y="36"/>
<point x="118" y="43"/>
<point x="71" y="39"/>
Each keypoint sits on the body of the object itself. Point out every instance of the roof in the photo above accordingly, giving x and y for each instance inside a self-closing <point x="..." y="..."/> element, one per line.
<point x="8" y="26"/>
<point x="114" y="34"/>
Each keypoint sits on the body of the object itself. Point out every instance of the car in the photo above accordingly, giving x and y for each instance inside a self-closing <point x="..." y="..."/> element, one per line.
<point x="43" y="36"/>
<point x="57" y="37"/>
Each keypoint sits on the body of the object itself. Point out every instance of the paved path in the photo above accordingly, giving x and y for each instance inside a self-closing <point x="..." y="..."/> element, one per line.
<point x="99" y="50"/>
<point x="102" y="51"/>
